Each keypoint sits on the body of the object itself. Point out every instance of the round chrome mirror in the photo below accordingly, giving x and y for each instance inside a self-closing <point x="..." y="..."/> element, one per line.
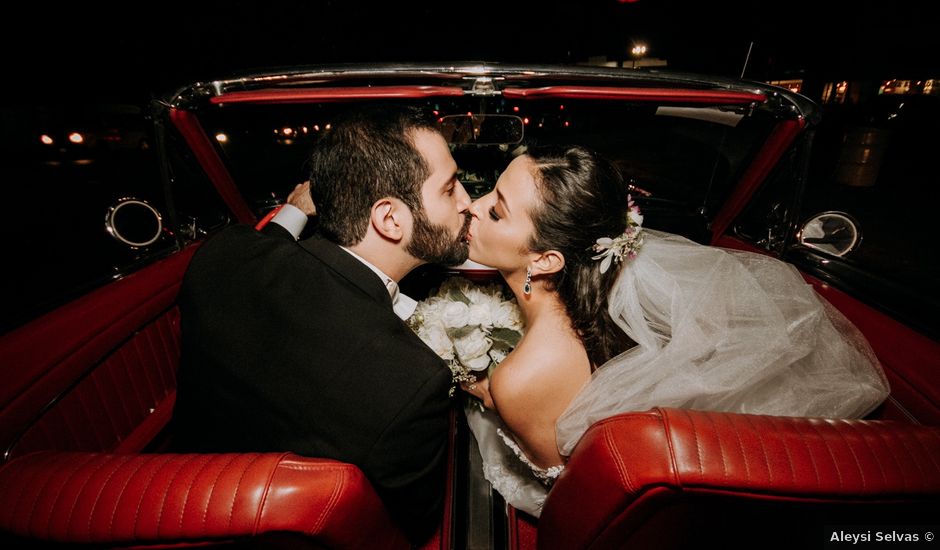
<point x="834" y="233"/>
<point x="134" y="222"/>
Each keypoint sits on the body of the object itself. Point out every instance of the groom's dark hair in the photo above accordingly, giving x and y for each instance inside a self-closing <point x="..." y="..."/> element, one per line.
<point x="366" y="155"/>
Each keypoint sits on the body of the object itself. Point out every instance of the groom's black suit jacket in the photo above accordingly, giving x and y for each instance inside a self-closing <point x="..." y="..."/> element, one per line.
<point x="292" y="346"/>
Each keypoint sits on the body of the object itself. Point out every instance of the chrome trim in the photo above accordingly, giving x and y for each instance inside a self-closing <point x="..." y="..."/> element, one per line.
<point x="113" y="231"/>
<point x="465" y="74"/>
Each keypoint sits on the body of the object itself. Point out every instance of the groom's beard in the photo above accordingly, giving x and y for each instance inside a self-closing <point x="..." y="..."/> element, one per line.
<point x="434" y="243"/>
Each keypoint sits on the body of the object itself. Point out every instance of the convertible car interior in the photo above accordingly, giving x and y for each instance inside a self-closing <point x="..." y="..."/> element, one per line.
<point x="89" y="379"/>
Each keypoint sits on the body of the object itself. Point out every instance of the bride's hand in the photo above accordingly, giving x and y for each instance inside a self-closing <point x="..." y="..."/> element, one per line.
<point x="481" y="390"/>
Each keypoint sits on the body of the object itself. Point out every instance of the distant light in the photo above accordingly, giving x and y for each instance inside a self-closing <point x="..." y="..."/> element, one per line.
<point x="525" y="120"/>
<point x="303" y="129"/>
<point x="469" y="113"/>
<point x="328" y="126"/>
<point x="639" y="50"/>
<point x="316" y="127"/>
<point x="75" y="137"/>
<point x="221" y="137"/>
<point x="567" y="124"/>
<point x="436" y="112"/>
<point x="288" y="131"/>
<point x="515" y="108"/>
<point x="46" y="140"/>
<point x="561" y="107"/>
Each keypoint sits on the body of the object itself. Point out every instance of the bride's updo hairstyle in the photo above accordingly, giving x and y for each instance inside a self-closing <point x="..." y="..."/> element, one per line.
<point x="583" y="197"/>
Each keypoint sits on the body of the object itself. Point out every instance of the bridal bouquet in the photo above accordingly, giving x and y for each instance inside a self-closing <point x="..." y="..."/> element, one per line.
<point x="472" y="327"/>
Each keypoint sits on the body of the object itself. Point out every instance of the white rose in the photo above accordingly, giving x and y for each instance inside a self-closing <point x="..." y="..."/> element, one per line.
<point x="471" y="347"/>
<point x="434" y="336"/>
<point x="430" y="311"/>
<point x="477" y="364"/>
<point x="479" y="315"/>
<point x="455" y="315"/>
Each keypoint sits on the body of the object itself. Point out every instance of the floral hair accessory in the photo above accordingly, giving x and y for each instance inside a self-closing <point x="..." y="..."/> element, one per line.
<point x="626" y="244"/>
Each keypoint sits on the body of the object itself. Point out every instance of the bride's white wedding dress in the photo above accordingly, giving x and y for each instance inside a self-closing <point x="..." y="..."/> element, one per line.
<point x="715" y="329"/>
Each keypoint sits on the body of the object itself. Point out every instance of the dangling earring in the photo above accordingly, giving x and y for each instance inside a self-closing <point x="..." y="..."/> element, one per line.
<point x="527" y="287"/>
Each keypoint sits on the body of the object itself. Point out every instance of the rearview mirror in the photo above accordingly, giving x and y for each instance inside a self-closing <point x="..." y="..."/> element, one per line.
<point x="482" y="129"/>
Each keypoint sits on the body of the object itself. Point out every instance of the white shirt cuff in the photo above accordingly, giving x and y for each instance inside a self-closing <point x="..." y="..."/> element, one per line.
<point x="292" y="219"/>
<point x="405" y="306"/>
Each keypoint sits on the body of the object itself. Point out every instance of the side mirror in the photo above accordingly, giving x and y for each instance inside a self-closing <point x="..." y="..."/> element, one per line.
<point x="482" y="129"/>
<point x="834" y="233"/>
<point x="134" y="222"/>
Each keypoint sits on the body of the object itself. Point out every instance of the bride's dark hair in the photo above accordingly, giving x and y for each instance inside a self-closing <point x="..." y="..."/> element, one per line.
<point x="583" y="197"/>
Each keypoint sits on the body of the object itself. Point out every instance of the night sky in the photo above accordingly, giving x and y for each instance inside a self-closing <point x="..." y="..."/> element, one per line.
<point x="122" y="51"/>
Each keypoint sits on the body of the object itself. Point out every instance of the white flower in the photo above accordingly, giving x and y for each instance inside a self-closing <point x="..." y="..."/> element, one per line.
<point x="480" y="315"/>
<point x="436" y="338"/>
<point x="475" y="294"/>
<point x="471" y="349"/>
<point x="478" y="364"/>
<point x="455" y="315"/>
<point x="472" y="336"/>
<point x="502" y="314"/>
<point x="635" y="216"/>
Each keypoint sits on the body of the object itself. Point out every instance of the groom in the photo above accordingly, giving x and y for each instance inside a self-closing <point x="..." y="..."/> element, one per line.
<point x="301" y="346"/>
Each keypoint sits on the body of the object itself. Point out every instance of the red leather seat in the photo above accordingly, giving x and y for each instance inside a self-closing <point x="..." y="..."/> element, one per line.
<point x="668" y="478"/>
<point x="94" y="384"/>
<point x="178" y="498"/>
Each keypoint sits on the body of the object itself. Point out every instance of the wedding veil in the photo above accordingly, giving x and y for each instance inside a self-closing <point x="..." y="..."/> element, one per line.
<point x="725" y="330"/>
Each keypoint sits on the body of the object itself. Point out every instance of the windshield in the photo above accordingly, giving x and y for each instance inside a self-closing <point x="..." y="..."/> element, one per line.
<point x="681" y="160"/>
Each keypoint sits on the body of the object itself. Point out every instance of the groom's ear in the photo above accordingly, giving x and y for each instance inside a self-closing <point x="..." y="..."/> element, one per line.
<point x="551" y="261"/>
<point x="391" y="218"/>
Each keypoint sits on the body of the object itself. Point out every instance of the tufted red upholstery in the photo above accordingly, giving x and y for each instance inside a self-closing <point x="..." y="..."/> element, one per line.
<point x="124" y="499"/>
<point x="99" y="375"/>
<point x="655" y="477"/>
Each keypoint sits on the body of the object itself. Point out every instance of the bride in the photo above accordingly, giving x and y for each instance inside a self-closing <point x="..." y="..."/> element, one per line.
<point x="637" y="320"/>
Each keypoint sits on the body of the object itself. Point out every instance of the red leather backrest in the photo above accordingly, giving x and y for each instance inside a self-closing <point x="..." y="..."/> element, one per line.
<point x="630" y="476"/>
<point x="167" y="498"/>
